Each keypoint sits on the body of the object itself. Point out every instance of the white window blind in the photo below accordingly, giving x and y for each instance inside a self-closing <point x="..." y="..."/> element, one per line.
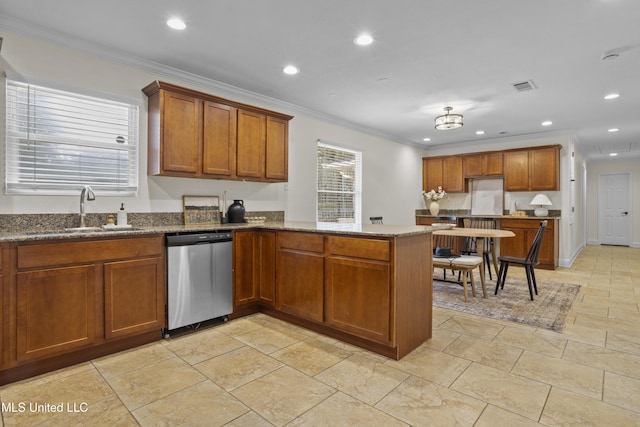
<point x="59" y="141"/>
<point x="339" y="184"/>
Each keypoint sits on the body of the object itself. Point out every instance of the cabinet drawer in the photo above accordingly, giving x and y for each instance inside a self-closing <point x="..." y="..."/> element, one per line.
<point x="301" y="242"/>
<point x="359" y="248"/>
<point x="78" y="252"/>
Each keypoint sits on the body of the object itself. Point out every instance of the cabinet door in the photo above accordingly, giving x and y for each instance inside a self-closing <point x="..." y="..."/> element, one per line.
<point x="493" y="164"/>
<point x="300" y="274"/>
<point x="250" y="144"/>
<point x="472" y="165"/>
<point x="219" y="140"/>
<point x="358" y="297"/>
<point x="277" y="156"/>
<point x="432" y="173"/>
<point x="267" y="267"/>
<point x="516" y="170"/>
<point x="254" y="267"/>
<point x="181" y="133"/>
<point x="514" y="246"/>
<point x="244" y="268"/>
<point x="543" y="164"/>
<point x="56" y="311"/>
<point x="452" y="178"/>
<point x="134" y="297"/>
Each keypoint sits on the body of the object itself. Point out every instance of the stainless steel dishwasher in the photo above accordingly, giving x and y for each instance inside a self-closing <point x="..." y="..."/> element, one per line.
<point x="199" y="278"/>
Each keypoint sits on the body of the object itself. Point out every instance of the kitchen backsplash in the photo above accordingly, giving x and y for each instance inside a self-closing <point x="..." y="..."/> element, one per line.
<point x="44" y="222"/>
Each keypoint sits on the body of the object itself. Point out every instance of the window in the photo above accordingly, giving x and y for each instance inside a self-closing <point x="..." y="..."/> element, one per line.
<point x="59" y="141"/>
<point x="339" y="184"/>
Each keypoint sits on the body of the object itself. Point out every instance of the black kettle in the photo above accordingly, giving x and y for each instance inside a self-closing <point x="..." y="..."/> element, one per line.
<point x="235" y="213"/>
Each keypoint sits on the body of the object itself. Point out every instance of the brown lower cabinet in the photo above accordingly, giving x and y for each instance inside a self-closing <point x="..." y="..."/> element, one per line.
<point x="374" y="292"/>
<point x="254" y="268"/>
<point x="76" y="300"/>
<point x="525" y="231"/>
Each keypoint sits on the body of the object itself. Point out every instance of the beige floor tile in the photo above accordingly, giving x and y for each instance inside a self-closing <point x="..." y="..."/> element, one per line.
<point x="203" y="404"/>
<point x="475" y="326"/>
<point x="51" y="376"/>
<point x="250" y="419"/>
<point x="132" y="360"/>
<point x="441" y="339"/>
<point x="493" y="416"/>
<point x="622" y="391"/>
<point x="627" y="342"/>
<point x="603" y="358"/>
<point x="342" y="410"/>
<point x="197" y="347"/>
<point x="239" y="326"/>
<point x="311" y="356"/>
<point x="490" y="353"/>
<point x="269" y="340"/>
<point x="605" y="324"/>
<point x="542" y="342"/>
<point x="283" y="395"/>
<point x="153" y="382"/>
<point x="585" y="334"/>
<point x="67" y="396"/>
<point x="432" y="365"/>
<point x="571" y="409"/>
<point x="511" y="392"/>
<point x="420" y="402"/>
<point x="567" y="375"/>
<point x="237" y="368"/>
<point x="364" y="377"/>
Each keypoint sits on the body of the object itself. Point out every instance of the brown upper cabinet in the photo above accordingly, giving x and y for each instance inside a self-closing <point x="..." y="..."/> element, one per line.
<point x="482" y="164"/>
<point x="445" y="171"/>
<point x="532" y="169"/>
<point x="197" y="135"/>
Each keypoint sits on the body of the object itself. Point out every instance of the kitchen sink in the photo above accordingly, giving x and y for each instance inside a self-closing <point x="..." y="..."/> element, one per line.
<point x="82" y="229"/>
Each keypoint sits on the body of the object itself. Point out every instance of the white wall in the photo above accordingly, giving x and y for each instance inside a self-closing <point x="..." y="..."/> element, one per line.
<point x="392" y="172"/>
<point x="594" y="169"/>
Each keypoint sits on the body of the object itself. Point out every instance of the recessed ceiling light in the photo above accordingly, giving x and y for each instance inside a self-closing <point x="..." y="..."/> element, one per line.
<point x="291" y="70"/>
<point x="363" y="40"/>
<point x="547" y="123"/>
<point x="479" y="132"/>
<point x="427" y="139"/>
<point x="176" y="24"/>
<point x="613" y="154"/>
<point x="614" y="130"/>
<point x="612" y="96"/>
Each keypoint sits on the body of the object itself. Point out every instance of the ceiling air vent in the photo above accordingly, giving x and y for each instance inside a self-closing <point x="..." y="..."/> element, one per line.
<point x="524" y="86"/>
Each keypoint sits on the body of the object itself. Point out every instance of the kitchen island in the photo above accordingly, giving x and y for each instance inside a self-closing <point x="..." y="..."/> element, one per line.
<point x="369" y="285"/>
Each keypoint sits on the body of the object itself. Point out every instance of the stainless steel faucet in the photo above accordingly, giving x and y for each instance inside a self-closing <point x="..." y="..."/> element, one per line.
<point x="90" y="196"/>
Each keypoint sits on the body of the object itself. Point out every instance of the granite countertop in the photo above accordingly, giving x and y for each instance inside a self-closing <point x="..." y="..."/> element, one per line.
<point x="311" y="227"/>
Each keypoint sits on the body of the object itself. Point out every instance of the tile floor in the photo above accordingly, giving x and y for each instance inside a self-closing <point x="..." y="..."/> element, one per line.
<point x="259" y="371"/>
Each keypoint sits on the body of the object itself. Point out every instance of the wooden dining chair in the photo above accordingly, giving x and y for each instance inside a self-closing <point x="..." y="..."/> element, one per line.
<point x="529" y="263"/>
<point x="375" y="219"/>
<point x="470" y="245"/>
<point x="465" y="264"/>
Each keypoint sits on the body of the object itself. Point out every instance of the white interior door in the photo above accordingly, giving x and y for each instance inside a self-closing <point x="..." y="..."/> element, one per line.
<point x="614" y="209"/>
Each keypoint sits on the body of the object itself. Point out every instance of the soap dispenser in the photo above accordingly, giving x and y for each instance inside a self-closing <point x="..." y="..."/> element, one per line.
<point x="122" y="216"/>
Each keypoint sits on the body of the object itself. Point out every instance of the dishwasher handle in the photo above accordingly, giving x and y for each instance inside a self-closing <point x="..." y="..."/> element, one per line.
<point x="198" y="238"/>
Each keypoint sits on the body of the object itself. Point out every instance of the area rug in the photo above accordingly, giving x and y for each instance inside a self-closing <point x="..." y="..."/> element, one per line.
<point x="548" y="310"/>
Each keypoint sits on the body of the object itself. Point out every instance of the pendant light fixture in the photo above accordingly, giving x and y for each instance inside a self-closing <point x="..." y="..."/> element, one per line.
<point x="448" y="121"/>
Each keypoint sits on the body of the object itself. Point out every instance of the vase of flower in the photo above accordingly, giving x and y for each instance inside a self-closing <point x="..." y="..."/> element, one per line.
<point x="431" y="199"/>
<point x="434" y="208"/>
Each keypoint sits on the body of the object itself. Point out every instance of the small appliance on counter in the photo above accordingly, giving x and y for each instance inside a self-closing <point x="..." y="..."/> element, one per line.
<point x="235" y="213"/>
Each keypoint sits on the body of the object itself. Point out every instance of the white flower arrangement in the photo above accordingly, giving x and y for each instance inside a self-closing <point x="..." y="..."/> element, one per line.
<point x="433" y="195"/>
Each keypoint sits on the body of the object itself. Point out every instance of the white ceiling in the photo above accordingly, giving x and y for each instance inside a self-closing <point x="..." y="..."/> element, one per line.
<point x="426" y="55"/>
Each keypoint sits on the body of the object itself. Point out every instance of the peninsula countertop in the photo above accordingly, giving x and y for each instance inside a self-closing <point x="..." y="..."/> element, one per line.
<point x="378" y="230"/>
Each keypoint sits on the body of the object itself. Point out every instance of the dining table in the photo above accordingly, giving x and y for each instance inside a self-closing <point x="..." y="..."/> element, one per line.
<point x="480" y="234"/>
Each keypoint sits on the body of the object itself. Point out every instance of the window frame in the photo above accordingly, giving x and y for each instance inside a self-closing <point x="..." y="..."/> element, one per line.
<point x="113" y="169"/>
<point x="357" y="187"/>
